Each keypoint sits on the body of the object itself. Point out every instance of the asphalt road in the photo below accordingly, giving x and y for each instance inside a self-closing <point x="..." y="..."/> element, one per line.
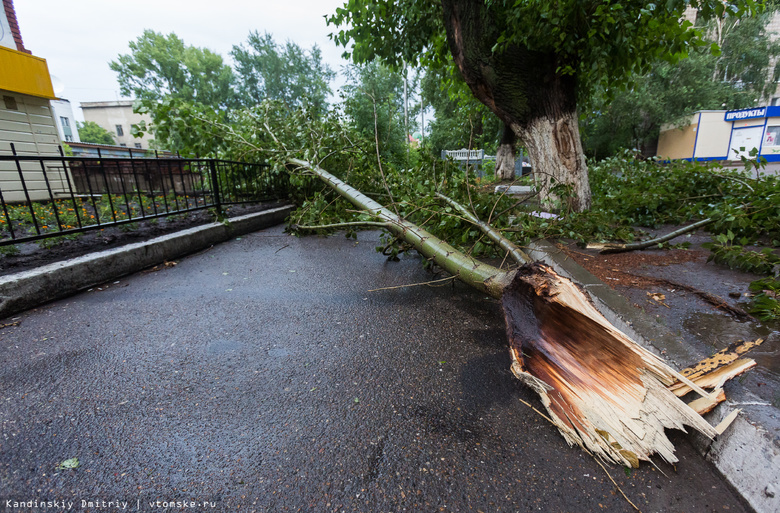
<point x="264" y="375"/>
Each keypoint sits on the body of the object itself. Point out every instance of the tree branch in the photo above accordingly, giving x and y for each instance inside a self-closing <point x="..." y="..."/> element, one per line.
<point x="621" y="248"/>
<point x="375" y="224"/>
<point x="517" y="254"/>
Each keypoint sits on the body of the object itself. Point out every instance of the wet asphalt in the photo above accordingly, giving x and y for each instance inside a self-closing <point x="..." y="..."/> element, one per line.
<point x="265" y="375"/>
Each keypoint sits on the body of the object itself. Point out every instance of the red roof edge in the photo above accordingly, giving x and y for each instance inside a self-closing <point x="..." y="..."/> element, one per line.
<point x="10" y="14"/>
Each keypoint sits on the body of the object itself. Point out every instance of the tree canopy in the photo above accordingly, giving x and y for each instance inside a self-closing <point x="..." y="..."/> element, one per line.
<point x="597" y="40"/>
<point x="530" y="62"/>
<point x="373" y="99"/>
<point x="91" y="132"/>
<point x="268" y="70"/>
<point x="159" y="66"/>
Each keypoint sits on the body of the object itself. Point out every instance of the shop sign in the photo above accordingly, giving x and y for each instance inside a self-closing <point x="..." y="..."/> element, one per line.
<point x="734" y="115"/>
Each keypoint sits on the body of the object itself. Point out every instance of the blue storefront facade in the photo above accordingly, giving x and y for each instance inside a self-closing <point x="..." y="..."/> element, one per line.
<point x="724" y="135"/>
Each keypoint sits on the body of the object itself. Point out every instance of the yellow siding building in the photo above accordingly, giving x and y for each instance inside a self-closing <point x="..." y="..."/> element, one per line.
<point x="26" y="117"/>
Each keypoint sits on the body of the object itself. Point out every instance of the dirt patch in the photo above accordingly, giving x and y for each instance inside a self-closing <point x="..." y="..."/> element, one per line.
<point x="626" y="269"/>
<point x="35" y="254"/>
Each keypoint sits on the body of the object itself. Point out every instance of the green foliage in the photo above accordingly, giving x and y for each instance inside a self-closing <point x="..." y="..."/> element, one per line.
<point x="160" y="66"/>
<point x="460" y="121"/>
<point x="267" y="70"/>
<point x="630" y="193"/>
<point x="766" y="301"/>
<point x="181" y="125"/>
<point x="746" y="52"/>
<point x="373" y="100"/>
<point x="10" y="250"/>
<point x="393" y="31"/>
<point x="732" y="78"/>
<point x="737" y="257"/>
<point x="602" y="42"/>
<point x="91" y="132"/>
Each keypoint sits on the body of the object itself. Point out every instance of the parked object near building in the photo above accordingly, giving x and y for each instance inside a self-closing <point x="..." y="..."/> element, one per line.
<point x="724" y="135"/>
<point x="118" y="118"/>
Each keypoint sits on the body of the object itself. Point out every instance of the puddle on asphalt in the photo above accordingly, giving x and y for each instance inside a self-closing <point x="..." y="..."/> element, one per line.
<point x="720" y="331"/>
<point x="223" y="346"/>
<point x="278" y="352"/>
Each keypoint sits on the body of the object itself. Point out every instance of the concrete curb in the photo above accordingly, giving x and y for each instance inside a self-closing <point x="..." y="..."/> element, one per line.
<point x="747" y="454"/>
<point x="27" y="289"/>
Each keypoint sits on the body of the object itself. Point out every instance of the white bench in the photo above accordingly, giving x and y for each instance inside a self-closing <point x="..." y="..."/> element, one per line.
<point x="465" y="155"/>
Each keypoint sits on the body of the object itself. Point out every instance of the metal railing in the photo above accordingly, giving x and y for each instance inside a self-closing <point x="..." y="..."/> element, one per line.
<point x="50" y="196"/>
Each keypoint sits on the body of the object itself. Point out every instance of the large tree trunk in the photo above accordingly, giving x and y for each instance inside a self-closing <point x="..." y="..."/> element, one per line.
<point x="603" y="391"/>
<point x="527" y="92"/>
<point x="505" y="155"/>
<point x="555" y="149"/>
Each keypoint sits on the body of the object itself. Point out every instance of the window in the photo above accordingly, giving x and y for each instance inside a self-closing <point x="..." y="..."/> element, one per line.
<point x="772" y="136"/>
<point x="119" y="131"/>
<point x="775" y="101"/>
<point x="65" y="122"/>
<point x="138" y="145"/>
<point x="123" y="145"/>
<point x="10" y="103"/>
<point x="68" y="138"/>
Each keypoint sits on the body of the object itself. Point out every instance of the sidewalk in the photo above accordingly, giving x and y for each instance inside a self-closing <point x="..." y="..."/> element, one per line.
<point x="269" y="373"/>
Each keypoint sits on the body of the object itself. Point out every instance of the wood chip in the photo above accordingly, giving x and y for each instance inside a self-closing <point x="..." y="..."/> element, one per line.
<point x="725" y="423"/>
<point x="704" y="405"/>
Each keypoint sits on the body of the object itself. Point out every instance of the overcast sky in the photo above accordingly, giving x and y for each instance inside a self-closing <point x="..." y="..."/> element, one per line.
<point x="79" y="38"/>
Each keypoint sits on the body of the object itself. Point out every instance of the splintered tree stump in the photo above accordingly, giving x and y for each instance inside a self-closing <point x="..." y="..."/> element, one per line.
<point x="604" y="392"/>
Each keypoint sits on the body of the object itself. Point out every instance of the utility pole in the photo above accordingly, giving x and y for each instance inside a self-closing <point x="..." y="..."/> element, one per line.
<point x="422" y="113"/>
<point x="406" y="111"/>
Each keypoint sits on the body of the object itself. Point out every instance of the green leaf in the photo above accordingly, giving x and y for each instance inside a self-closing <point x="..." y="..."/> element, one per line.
<point x="71" y="463"/>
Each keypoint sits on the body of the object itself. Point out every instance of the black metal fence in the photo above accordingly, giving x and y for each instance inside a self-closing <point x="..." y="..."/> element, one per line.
<point x="49" y="196"/>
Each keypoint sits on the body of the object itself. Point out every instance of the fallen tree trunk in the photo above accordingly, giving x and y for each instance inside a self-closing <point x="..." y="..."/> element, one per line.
<point x="603" y="391"/>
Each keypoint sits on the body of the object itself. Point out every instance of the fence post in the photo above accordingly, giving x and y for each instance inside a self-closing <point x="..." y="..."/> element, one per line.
<point x="26" y="192"/>
<point x="215" y="188"/>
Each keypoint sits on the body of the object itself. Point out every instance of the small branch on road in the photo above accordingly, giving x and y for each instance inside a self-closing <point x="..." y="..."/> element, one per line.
<point x="374" y="224"/>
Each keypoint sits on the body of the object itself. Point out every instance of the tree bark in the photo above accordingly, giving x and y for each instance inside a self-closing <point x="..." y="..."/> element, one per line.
<point x="527" y="92"/>
<point x="560" y="172"/>
<point x="505" y="155"/>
